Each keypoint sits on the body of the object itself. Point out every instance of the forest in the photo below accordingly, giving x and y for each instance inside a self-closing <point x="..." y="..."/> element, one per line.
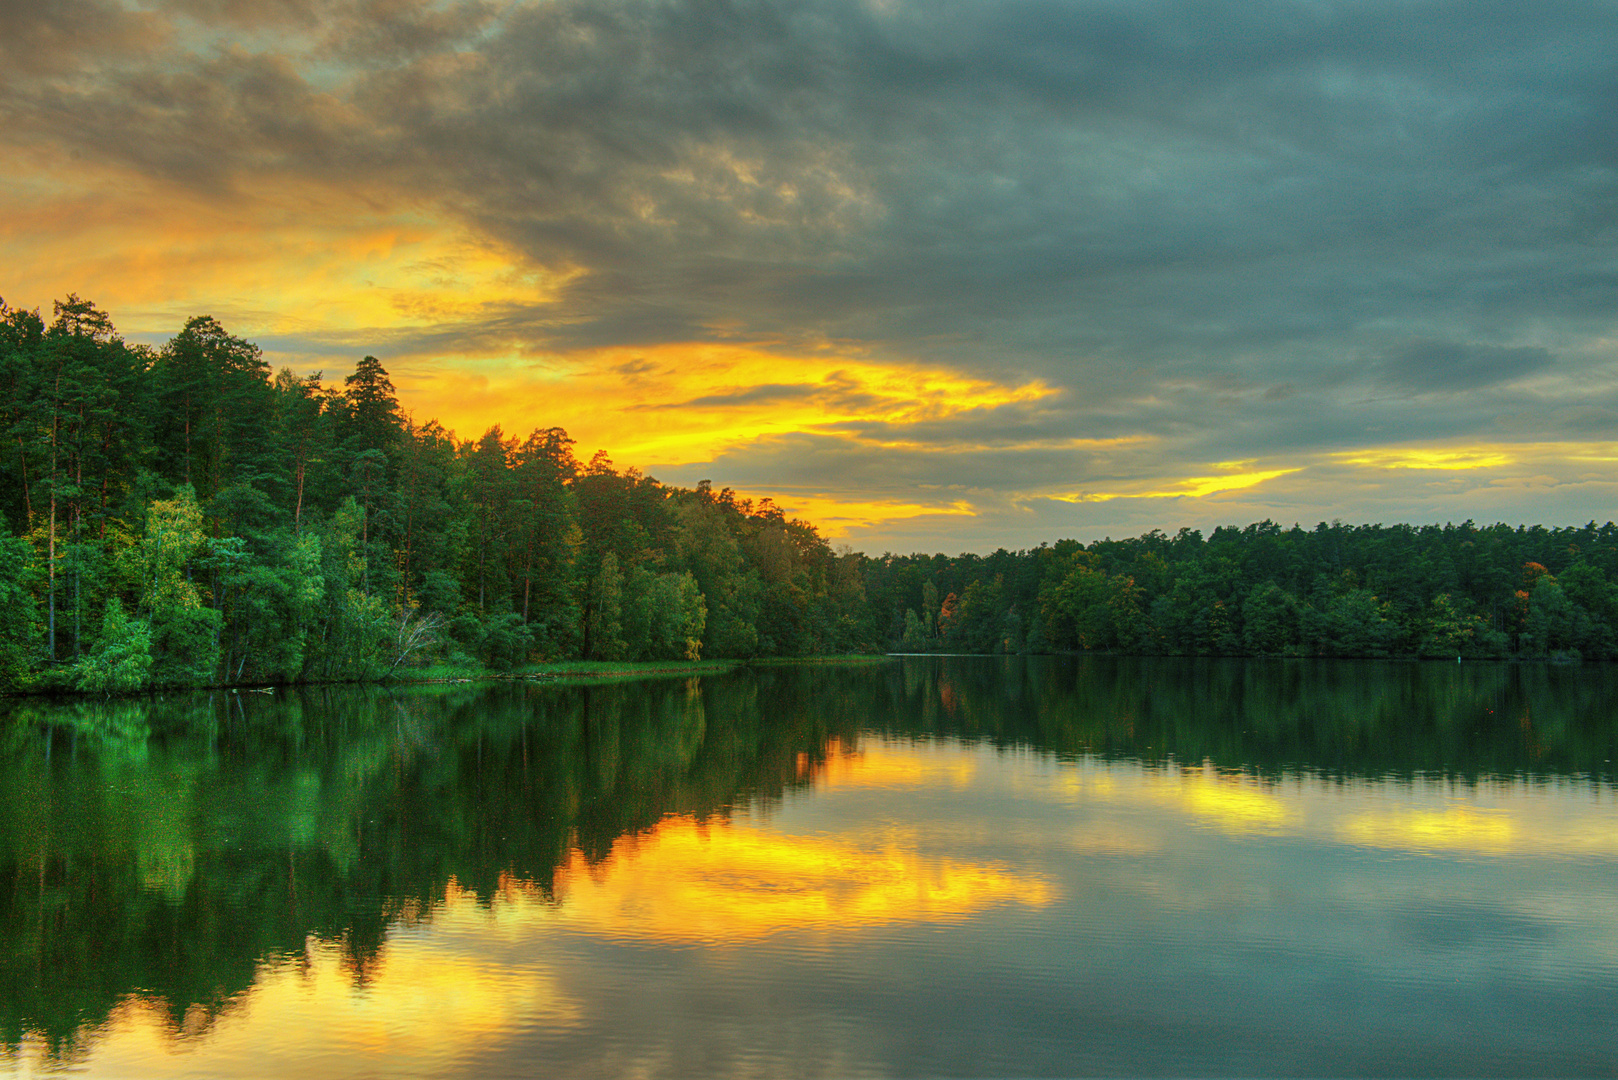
<point x="1335" y="590"/>
<point x="183" y="515"/>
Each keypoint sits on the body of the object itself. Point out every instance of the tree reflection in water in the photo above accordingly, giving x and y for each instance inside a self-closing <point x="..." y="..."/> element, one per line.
<point x="161" y="855"/>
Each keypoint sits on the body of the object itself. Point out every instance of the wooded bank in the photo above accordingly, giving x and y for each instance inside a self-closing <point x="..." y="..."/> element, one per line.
<point x="185" y="516"/>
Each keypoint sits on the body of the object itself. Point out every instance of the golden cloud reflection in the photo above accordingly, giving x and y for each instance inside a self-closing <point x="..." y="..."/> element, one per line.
<point x="1452" y="828"/>
<point x="1506" y="818"/>
<point x="689" y="882"/>
<point x="424" y="1006"/>
<point x="889" y="765"/>
<point x="1419" y="817"/>
<point x="1233" y="803"/>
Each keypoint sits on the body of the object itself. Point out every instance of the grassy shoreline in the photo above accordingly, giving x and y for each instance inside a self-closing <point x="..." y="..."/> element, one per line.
<point x="571" y="670"/>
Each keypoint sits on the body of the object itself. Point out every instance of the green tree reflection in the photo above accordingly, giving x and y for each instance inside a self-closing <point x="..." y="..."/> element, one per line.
<point x="167" y="848"/>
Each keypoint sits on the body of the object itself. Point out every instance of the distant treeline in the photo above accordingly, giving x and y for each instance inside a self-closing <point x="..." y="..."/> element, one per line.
<point x="1333" y="590"/>
<point x="183" y="515"/>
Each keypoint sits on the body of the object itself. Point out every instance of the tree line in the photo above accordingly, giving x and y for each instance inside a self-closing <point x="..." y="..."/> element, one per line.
<point x="1335" y="590"/>
<point x="184" y="515"/>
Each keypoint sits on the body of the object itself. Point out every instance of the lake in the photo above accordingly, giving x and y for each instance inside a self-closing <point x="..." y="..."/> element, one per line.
<point x="927" y="866"/>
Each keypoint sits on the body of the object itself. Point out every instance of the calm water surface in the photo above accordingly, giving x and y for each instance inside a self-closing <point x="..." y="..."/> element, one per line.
<point x="926" y="867"/>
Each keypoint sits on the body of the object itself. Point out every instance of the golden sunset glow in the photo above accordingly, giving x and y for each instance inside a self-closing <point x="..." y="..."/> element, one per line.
<point x="307" y="261"/>
<point x="682" y="403"/>
<point x="835" y="518"/>
<point x="774" y="539"/>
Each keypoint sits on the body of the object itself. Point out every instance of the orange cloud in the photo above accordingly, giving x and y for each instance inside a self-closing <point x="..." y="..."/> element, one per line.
<point x="285" y="259"/>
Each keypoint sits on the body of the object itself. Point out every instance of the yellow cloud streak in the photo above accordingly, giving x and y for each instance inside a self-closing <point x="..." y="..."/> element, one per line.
<point x="1447" y="460"/>
<point x="1464" y="458"/>
<point x="1194" y="487"/>
<point x="969" y="446"/>
<point x="682" y="403"/>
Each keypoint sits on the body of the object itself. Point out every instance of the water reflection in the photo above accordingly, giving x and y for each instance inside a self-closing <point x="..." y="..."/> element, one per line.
<point x="688" y="882"/>
<point x="426" y="1009"/>
<point x="403" y="883"/>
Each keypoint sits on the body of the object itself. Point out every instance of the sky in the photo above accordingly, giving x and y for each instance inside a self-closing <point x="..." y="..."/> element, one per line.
<point x="939" y="276"/>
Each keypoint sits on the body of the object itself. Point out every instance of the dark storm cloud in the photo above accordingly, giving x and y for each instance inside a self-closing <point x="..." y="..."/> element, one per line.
<point x="1447" y="366"/>
<point x="56" y="38"/>
<point x="1062" y="180"/>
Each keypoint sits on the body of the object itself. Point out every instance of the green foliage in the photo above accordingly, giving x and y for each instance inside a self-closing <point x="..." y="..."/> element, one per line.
<point x="1555" y="625"/>
<point x="664" y="616"/>
<point x="213" y="393"/>
<point x="19" y="614"/>
<point x="912" y="638"/>
<point x="708" y="547"/>
<point x="605" y="631"/>
<point x="354" y="627"/>
<point x="1353" y="624"/>
<point x="1335" y="590"/>
<point x="121" y="661"/>
<point x="1270" y="621"/>
<point x="184" y="634"/>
